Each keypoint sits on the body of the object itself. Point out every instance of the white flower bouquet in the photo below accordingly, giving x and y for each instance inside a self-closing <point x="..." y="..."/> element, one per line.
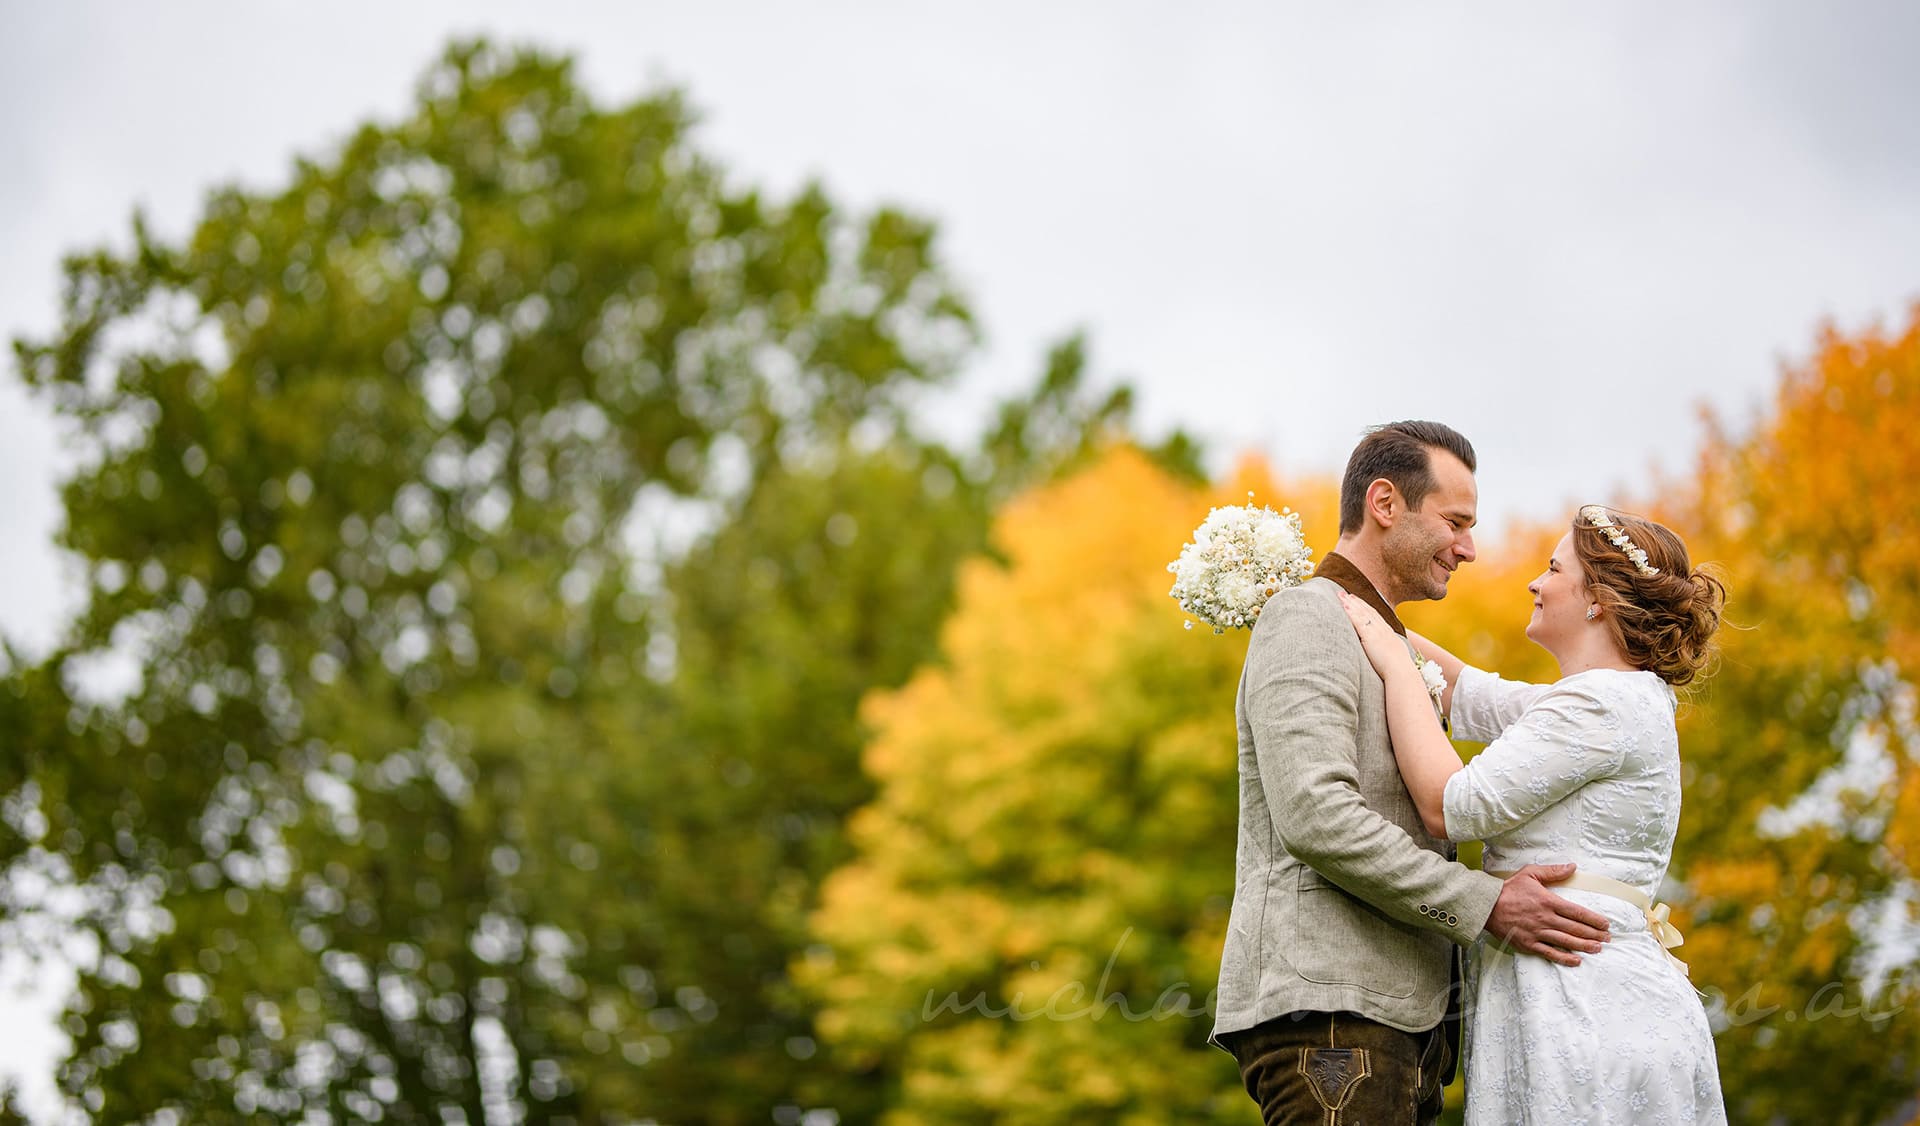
<point x="1239" y="557"/>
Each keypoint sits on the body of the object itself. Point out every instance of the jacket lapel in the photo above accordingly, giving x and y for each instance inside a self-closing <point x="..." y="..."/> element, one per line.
<point x="1341" y="570"/>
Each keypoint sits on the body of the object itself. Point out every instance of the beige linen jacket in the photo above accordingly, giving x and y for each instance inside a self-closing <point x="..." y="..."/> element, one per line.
<point x="1342" y="902"/>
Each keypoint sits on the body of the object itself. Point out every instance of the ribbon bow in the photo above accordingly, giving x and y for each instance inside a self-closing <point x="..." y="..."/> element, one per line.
<point x="1667" y="933"/>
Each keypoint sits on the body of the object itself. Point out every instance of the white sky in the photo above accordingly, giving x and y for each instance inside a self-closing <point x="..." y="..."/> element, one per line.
<point x="1562" y="228"/>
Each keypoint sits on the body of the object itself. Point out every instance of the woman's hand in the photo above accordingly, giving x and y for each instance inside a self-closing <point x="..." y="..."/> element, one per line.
<point x="1383" y="646"/>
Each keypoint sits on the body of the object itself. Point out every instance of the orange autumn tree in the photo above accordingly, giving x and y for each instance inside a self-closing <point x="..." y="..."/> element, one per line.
<point x="1033" y="919"/>
<point x="1803" y="802"/>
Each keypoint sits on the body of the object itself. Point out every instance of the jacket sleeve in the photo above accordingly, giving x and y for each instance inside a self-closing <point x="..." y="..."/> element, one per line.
<point x="1304" y="667"/>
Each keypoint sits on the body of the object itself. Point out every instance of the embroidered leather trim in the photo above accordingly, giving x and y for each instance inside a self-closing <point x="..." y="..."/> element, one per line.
<point x="1333" y="1074"/>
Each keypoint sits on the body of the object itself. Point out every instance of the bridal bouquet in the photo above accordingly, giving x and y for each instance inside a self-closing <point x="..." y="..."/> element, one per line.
<point x="1238" y="558"/>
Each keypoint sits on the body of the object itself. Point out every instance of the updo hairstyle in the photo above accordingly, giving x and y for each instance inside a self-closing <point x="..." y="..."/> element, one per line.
<point x="1664" y="622"/>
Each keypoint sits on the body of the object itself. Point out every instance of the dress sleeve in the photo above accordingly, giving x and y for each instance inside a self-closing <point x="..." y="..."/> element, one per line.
<point x="1569" y="737"/>
<point x="1484" y="704"/>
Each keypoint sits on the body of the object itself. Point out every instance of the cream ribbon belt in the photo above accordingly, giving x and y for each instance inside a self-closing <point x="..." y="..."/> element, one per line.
<point x="1656" y="913"/>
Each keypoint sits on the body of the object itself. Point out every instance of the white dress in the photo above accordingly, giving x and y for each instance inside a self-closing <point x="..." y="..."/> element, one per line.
<point x="1585" y="770"/>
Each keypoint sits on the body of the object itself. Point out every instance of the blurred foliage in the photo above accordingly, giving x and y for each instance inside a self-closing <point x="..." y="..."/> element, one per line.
<point x="1804" y="797"/>
<point x="501" y="524"/>
<point x="11" y="1113"/>
<point x="831" y="581"/>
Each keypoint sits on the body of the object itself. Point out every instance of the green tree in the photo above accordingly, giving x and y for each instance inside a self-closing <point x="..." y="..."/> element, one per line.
<point x="366" y="461"/>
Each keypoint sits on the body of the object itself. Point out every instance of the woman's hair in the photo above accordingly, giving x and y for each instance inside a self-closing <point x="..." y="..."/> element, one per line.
<point x="1664" y="621"/>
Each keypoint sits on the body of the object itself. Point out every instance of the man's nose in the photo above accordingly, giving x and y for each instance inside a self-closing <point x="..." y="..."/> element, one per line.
<point x="1463" y="548"/>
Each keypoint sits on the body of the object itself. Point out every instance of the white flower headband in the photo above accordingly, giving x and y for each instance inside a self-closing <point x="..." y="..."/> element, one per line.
<point x="1596" y="515"/>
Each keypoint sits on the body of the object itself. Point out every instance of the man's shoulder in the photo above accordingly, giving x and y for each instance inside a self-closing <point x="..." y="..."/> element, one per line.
<point x="1317" y="599"/>
<point x="1308" y="614"/>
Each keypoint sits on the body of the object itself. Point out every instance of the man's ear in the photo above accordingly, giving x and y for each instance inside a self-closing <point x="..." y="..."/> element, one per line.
<point x="1384" y="502"/>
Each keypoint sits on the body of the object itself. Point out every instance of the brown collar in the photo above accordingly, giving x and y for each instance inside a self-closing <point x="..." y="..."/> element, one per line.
<point x="1342" y="571"/>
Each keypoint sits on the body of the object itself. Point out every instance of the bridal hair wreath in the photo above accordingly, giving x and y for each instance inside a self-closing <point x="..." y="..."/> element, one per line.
<point x="1239" y="557"/>
<point x="1596" y="515"/>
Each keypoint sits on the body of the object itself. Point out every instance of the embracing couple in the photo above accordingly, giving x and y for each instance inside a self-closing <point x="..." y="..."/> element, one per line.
<point x="1342" y="985"/>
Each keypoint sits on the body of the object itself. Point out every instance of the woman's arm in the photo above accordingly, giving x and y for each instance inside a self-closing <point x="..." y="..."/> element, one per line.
<point x="1427" y="759"/>
<point x="1449" y="665"/>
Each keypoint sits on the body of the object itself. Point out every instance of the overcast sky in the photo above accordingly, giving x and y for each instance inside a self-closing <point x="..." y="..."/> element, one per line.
<point x="1562" y="228"/>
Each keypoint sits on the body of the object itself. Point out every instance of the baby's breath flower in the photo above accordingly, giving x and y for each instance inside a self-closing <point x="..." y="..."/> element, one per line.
<point x="1238" y="558"/>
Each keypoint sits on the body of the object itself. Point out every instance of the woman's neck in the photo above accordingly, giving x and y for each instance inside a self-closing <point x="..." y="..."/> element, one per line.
<point x="1593" y="653"/>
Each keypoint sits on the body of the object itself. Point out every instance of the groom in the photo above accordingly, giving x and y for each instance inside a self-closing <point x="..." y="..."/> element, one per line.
<point x="1338" y="980"/>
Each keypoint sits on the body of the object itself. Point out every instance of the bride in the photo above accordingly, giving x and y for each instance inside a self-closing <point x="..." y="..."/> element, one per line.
<point x="1586" y="769"/>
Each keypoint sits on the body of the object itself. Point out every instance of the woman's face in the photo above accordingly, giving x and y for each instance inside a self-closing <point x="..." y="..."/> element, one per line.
<point x="1559" y="599"/>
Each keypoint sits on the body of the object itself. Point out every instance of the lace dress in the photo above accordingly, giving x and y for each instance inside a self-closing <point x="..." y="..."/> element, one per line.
<point x="1585" y="770"/>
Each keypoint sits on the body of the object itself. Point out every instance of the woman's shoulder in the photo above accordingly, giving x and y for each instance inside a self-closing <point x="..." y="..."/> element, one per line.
<point x="1606" y="697"/>
<point x="1630" y="710"/>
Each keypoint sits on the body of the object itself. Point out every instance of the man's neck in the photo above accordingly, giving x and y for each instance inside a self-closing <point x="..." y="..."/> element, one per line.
<point x="1368" y="562"/>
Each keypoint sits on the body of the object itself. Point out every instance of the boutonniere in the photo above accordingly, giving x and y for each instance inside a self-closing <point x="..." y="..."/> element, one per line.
<point x="1436" y="682"/>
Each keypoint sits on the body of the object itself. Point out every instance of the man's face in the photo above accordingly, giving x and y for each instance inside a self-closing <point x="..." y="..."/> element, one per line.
<point x="1425" y="545"/>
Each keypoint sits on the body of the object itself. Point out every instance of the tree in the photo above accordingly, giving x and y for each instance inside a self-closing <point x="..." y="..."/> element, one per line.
<point x="1802" y="795"/>
<point x="1031" y="924"/>
<point x="366" y="456"/>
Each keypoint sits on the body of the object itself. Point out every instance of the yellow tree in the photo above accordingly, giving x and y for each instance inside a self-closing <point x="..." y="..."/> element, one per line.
<point x="1031" y="928"/>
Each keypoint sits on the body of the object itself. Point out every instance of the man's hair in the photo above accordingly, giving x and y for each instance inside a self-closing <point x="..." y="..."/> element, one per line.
<point x="1402" y="453"/>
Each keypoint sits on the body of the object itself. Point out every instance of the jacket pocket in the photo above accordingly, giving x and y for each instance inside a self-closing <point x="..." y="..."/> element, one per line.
<point x="1341" y="941"/>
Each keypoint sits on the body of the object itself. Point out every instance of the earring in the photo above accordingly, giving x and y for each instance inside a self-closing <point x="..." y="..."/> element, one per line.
<point x="1591" y="611"/>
